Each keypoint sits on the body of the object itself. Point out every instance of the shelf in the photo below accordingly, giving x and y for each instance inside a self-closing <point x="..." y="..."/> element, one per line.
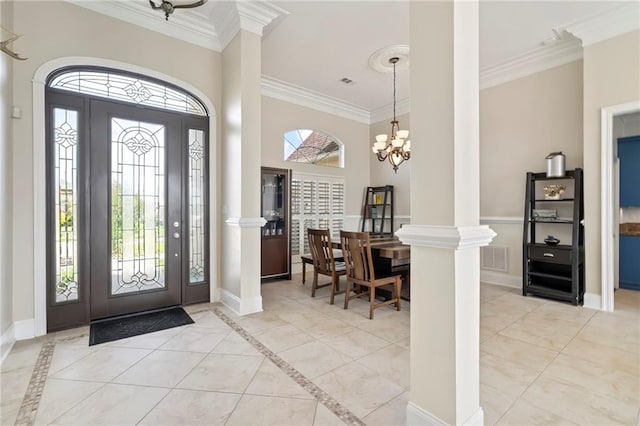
<point x="377" y="210"/>
<point x="543" y="176"/>
<point x="555" y="272"/>
<point x="559" y="246"/>
<point x="540" y="290"/>
<point x="553" y="276"/>
<point x="551" y="220"/>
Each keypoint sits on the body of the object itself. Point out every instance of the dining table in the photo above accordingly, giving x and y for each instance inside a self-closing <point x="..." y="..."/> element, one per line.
<point x="390" y="256"/>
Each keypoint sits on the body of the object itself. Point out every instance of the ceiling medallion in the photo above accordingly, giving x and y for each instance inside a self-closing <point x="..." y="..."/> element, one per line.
<point x="379" y="60"/>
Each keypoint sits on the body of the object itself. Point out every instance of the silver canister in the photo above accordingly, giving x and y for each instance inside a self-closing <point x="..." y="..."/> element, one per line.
<point x="555" y="164"/>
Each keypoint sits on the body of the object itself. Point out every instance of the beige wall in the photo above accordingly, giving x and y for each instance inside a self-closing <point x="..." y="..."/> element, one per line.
<point x="6" y="140"/>
<point x="59" y="29"/>
<point x="382" y="172"/>
<point x="610" y="78"/>
<point x="520" y="123"/>
<point x="279" y="117"/>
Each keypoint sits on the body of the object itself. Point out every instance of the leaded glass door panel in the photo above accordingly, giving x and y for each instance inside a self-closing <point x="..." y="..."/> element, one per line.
<point x="136" y="216"/>
<point x="127" y="196"/>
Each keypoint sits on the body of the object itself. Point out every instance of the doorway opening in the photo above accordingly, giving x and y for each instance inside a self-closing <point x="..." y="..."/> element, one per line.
<point x="609" y="203"/>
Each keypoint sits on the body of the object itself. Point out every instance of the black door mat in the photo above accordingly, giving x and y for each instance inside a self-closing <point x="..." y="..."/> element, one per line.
<point x="134" y="325"/>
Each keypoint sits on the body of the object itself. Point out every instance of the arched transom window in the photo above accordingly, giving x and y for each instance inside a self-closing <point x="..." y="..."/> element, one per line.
<point x="312" y="147"/>
<point x="127" y="88"/>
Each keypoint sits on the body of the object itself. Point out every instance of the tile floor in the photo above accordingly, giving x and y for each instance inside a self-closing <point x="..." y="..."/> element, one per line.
<point x="541" y="362"/>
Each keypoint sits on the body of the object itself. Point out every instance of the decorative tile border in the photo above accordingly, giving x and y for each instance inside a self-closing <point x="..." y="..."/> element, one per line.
<point x="31" y="400"/>
<point x="324" y="398"/>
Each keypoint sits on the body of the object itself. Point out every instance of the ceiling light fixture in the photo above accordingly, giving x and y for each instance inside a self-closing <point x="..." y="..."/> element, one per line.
<point x="396" y="148"/>
<point x="168" y="7"/>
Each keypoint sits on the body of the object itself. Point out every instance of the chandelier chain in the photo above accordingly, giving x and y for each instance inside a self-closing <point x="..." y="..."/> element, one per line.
<point x="394" y="90"/>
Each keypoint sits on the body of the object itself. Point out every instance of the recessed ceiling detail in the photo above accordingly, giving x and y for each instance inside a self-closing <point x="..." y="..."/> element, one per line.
<point x="379" y="60"/>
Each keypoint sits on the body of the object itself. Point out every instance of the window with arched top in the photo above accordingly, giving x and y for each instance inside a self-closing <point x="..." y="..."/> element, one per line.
<point x="313" y="147"/>
<point x="125" y="87"/>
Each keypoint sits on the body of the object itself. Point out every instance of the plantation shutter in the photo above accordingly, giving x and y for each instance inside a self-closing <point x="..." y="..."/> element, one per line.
<point x="316" y="202"/>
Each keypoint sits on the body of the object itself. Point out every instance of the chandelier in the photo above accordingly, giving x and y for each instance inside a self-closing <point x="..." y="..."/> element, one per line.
<point x="168" y="7"/>
<point x="396" y="148"/>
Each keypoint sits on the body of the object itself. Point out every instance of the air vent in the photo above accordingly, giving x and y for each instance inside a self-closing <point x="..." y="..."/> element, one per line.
<point x="346" y="80"/>
<point x="493" y="258"/>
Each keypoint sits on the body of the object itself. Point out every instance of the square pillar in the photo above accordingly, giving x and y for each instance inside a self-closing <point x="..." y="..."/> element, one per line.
<point x="445" y="234"/>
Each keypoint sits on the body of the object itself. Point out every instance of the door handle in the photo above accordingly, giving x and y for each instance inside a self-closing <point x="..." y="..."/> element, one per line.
<point x="176" y="235"/>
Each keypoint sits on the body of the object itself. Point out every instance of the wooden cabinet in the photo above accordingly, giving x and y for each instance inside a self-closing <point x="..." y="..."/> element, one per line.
<point x="377" y="211"/>
<point x="554" y="271"/>
<point x="630" y="262"/>
<point x="276" y="210"/>
<point x="629" y="154"/>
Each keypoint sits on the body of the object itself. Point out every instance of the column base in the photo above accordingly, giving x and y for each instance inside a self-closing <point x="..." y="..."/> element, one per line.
<point x="419" y="416"/>
<point x="241" y="306"/>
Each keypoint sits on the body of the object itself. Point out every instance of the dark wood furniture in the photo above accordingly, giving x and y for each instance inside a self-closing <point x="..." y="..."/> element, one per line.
<point x="555" y="272"/>
<point x="276" y="209"/>
<point x="377" y="211"/>
<point x="324" y="262"/>
<point x="356" y="248"/>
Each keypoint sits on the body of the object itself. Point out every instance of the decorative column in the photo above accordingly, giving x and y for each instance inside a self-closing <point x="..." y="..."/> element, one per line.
<point x="241" y="152"/>
<point x="445" y="234"/>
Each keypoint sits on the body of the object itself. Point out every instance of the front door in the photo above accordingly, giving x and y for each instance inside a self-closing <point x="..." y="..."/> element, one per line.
<point x="136" y="215"/>
<point x="127" y="196"/>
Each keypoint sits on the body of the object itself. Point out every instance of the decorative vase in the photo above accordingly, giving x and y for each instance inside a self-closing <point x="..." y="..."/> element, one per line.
<point x="551" y="240"/>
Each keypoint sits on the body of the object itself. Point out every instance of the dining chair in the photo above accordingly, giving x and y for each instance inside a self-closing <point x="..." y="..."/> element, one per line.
<point x="356" y="249"/>
<point x="324" y="262"/>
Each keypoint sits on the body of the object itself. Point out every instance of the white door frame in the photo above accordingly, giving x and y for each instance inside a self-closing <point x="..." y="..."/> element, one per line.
<point x="39" y="175"/>
<point x="607" y="195"/>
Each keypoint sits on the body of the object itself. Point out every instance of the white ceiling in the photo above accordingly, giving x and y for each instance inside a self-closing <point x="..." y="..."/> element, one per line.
<point x="318" y="42"/>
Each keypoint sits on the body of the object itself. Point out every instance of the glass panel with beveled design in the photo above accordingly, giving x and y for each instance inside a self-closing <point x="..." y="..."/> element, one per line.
<point x="196" y="207"/>
<point x="65" y="184"/>
<point x="127" y="88"/>
<point x="138" y="201"/>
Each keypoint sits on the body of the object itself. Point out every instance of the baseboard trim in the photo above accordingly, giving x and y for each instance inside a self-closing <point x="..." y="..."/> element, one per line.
<point x="216" y="295"/>
<point x="241" y="306"/>
<point x="498" y="278"/>
<point x="419" y="416"/>
<point x="7" y="340"/>
<point x="25" y="329"/>
<point x="593" y="301"/>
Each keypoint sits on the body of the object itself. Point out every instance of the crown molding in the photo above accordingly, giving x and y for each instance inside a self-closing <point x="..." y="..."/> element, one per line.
<point x="231" y="17"/>
<point x="607" y="24"/>
<point x="385" y="112"/>
<point x="255" y="15"/>
<point x="536" y="60"/>
<point x="187" y="25"/>
<point x="227" y="21"/>
<point x="288" y="92"/>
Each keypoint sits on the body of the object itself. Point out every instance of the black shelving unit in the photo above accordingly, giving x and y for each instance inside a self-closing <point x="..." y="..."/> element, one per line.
<point x="555" y="272"/>
<point x="377" y="211"/>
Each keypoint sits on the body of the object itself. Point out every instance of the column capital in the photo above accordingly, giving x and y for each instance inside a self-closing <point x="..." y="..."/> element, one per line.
<point x="246" y="222"/>
<point x="446" y="237"/>
<point x="233" y="16"/>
